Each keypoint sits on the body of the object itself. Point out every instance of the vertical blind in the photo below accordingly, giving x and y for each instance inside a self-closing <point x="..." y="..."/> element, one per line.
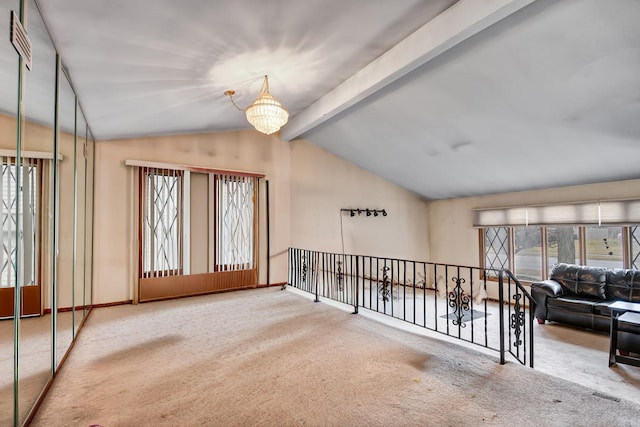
<point x="161" y="222"/>
<point x="234" y="216"/>
<point x="19" y="213"/>
<point x="164" y="210"/>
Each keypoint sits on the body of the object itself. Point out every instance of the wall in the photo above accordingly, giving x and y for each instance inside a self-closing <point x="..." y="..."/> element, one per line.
<point x="455" y="241"/>
<point x="308" y="187"/>
<point x="115" y="251"/>
<point x="199" y="250"/>
<point x="322" y="184"/>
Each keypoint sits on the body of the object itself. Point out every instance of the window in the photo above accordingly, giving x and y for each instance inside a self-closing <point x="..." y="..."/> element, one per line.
<point x="562" y="245"/>
<point x="604" y="246"/>
<point x="235" y="215"/>
<point x="27" y="213"/>
<point x="496" y="247"/>
<point x="532" y="250"/>
<point x="528" y="253"/>
<point x="635" y="247"/>
<point x="161" y="222"/>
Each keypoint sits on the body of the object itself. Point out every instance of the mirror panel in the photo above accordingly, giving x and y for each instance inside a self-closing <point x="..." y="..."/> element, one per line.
<point x="65" y="219"/>
<point x="36" y="337"/>
<point x="48" y="202"/>
<point x="8" y="135"/>
<point x="80" y="210"/>
<point x="89" y="168"/>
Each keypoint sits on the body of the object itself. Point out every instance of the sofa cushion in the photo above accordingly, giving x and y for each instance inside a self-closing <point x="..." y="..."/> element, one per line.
<point x="588" y="282"/>
<point x="623" y="285"/>
<point x="579" y="305"/>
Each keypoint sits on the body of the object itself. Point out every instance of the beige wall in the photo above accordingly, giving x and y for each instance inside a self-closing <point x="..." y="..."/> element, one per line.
<point x="308" y="187"/>
<point x="455" y="241"/>
<point x="115" y="251"/>
<point x="199" y="223"/>
<point x="322" y="184"/>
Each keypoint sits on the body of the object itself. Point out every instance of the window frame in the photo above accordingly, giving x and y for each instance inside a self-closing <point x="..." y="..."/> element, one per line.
<point x="628" y="237"/>
<point x="35" y="192"/>
<point x="145" y="176"/>
<point x="220" y="181"/>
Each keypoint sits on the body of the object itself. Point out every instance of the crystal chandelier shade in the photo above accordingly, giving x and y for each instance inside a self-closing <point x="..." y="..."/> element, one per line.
<point x="266" y="113"/>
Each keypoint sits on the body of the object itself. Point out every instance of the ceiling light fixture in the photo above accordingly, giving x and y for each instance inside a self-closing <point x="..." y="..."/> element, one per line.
<point x="266" y="113"/>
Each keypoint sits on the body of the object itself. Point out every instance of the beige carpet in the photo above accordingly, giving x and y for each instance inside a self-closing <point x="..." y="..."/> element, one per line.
<point x="272" y="358"/>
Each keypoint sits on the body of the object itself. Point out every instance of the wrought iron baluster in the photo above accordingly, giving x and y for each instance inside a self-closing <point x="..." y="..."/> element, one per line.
<point x="304" y="269"/>
<point x="385" y="290"/>
<point x="459" y="301"/>
<point x="517" y="320"/>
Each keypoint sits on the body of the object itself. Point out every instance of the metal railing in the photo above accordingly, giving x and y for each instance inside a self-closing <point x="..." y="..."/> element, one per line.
<point x="486" y="307"/>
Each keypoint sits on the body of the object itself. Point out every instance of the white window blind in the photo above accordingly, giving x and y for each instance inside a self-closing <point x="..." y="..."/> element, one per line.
<point x="612" y="212"/>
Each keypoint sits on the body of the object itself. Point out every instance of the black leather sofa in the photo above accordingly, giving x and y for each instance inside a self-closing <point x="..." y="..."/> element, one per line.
<point x="580" y="296"/>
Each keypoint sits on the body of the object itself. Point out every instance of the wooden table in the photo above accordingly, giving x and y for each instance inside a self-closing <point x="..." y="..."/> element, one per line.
<point x="627" y="312"/>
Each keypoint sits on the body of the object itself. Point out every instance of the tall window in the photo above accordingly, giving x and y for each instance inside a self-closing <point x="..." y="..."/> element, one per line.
<point x="496" y="247"/>
<point x="604" y="246"/>
<point x="27" y="211"/>
<point x="527" y="253"/>
<point x="563" y="245"/>
<point x="235" y="215"/>
<point x="162" y="222"/>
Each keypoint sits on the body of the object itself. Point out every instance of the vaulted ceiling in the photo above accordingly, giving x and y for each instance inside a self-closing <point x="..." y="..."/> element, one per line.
<point x="445" y="98"/>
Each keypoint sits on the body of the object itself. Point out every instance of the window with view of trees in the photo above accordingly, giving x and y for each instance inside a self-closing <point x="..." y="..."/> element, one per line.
<point x="562" y="244"/>
<point x="528" y="253"/>
<point x="532" y="251"/>
<point x="604" y="246"/>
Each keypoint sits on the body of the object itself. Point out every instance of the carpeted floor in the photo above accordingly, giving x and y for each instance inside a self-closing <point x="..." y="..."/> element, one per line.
<point x="272" y="358"/>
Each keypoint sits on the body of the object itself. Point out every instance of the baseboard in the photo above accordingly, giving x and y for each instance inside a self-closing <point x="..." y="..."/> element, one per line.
<point x="125" y="302"/>
<point x="264" y="285"/>
<point x="112" y="304"/>
<point x="88" y="307"/>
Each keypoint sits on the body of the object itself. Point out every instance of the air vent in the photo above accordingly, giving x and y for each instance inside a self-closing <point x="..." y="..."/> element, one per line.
<point x="20" y="40"/>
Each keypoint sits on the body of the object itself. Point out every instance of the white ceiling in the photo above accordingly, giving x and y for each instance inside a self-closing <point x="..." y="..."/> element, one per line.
<point x="548" y="95"/>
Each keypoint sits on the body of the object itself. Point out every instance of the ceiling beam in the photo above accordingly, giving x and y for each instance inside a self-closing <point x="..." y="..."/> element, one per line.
<point x="461" y="21"/>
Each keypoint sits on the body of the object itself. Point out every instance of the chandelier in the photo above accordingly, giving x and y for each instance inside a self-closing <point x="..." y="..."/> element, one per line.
<point x="266" y="113"/>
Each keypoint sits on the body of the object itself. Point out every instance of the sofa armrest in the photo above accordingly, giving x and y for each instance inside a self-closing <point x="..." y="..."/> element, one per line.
<point x="549" y="287"/>
<point x="540" y="291"/>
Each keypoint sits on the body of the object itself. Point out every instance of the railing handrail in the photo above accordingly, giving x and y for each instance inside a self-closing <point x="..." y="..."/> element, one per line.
<point x="532" y="309"/>
<point x="519" y="284"/>
<point x="495" y="270"/>
<point x="458" y="291"/>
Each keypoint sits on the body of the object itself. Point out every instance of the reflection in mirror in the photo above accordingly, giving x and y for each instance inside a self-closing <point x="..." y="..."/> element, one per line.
<point x="8" y="133"/>
<point x="79" y="230"/>
<point x="36" y="251"/>
<point x="88" y="245"/>
<point x="65" y="219"/>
